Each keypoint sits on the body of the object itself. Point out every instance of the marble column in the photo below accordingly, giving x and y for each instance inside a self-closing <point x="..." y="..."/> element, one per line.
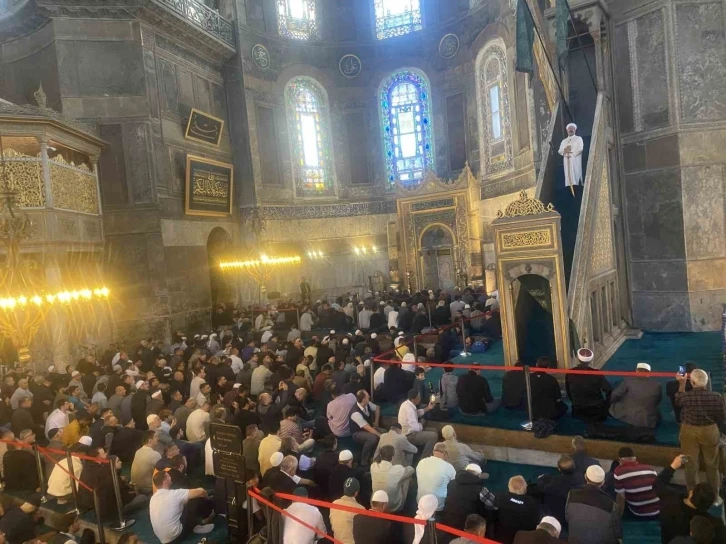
<point x="56" y="322"/>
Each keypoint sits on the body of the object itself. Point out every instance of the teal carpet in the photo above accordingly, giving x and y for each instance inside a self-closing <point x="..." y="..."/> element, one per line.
<point x="664" y="351"/>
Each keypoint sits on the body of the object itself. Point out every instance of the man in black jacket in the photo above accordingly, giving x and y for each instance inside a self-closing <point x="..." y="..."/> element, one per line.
<point x="466" y="495"/>
<point x="590" y="395"/>
<point x="554" y="489"/>
<point x="546" y="396"/>
<point x="474" y="394"/>
<point x="18" y="524"/>
<point x="516" y="511"/>
<point x="514" y="390"/>
<point x="677" y="509"/>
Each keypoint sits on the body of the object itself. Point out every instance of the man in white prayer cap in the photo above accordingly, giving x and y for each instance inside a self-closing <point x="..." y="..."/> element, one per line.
<point x="590" y="395"/>
<point x="571" y="151"/>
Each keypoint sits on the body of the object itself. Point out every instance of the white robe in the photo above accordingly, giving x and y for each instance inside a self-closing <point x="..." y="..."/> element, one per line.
<point x="573" y="160"/>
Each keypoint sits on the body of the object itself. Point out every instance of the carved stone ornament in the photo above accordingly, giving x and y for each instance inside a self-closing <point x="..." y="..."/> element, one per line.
<point x="449" y="46"/>
<point x="40" y="97"/>
<point x="350" y="66"/>
<point x="525" y="206"/>
<point x="261" y="56"/>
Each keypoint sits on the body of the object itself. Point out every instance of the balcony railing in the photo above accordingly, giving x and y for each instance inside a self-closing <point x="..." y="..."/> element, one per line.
<point x="202" y="17"/>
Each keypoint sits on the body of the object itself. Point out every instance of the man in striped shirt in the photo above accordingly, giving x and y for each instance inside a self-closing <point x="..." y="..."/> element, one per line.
<point x="634" y="485"/>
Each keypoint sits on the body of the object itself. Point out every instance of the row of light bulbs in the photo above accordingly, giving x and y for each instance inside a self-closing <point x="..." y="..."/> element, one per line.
<point x="313" y="254"/>
<point x="8" y="303"/>
<point x="363" y="250"/>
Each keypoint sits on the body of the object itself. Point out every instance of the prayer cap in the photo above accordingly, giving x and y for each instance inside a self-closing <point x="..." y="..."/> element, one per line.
<point x="85" y="440"/>
<point x="345" y="456"/>
<point x="585" y="355"/>
<point x="156" y="395"/>
<point x="595" y="474"/>
<point x="473" y="468"/>
<point x="549" y="520"/>
<point x="379" y="496"/>
<point x="276" y="459"/>
<point x="374" y="336"/>
<point x="447" y="432"/>
<point x="139" y="384"/>
<point x="573" y="125"/>
<point x="643" y="366"/>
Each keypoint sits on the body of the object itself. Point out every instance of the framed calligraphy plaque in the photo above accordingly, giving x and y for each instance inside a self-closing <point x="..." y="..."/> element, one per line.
<point x="204" y="128"/>
<point x="208" y="187"/>
<point x="350" y="66"/>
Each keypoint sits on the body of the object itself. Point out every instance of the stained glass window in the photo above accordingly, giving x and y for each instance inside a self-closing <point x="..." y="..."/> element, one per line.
<point x="309" y="121"/>
<point x="494" y="115"/>
<point x="397" y="17"/>
<point x="296" y="19"/>
<point x="407" y="133"/>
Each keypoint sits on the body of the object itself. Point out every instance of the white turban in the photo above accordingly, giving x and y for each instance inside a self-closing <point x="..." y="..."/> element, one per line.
<point x="573" y="125"/>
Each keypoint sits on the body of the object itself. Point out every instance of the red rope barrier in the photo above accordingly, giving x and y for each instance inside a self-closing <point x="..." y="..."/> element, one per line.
<point x="57" y="452"/>
<point x="535" y="369"/>
<point x="287" y="514"/>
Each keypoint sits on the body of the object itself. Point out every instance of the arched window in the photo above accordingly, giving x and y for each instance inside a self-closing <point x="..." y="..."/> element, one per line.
<point x="397" y="17"/>
<point x="296" y="19"/>
<point x="407" y="133"/>
<point x="309" y="122"/>
<point x="495" y="124"/>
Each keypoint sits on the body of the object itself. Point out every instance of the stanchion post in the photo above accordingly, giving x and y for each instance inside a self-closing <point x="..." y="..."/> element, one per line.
<point x="297" y="310"/>
<point x="528" y="386"/>
<point x="431" y="525"/>
<point x="373" y="371"/>
<point x="41" y="474"/>
<point x="122" y="523"/>
<point x="250" y="515"/>
<point x="415" y="346"/>
<point x="431" y="323"/>
<point x="463" y="337"/>
<point x="74" y="488"/>
<point x="99" y="523"/>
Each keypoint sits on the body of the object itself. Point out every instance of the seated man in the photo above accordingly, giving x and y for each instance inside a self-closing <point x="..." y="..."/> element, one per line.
<point x="16" y="463"/>
<point x="464" y="495"/>
<point x="142" y="469"/>
<point x="590" y="395"/>
<point x="460" y="454"/>
<point x="290" y="427"/>
<point x="516" y="511"/>
<point x="636" y="400"/>
<point x="474" y="394"/>
<point x="555" y="488"/>
<point x="394" y="480"/>
<point x="635" y="486"/>
<point x="175" y="513"/>
<point x="364" y="420"/>
<point x="433" y="474"/>
<point x="546" y="395"/>
<point x="18" y="524"/>
<point x="514" y="390"/>
<point x="59" y="482"/>
<point x="409" y="418"/>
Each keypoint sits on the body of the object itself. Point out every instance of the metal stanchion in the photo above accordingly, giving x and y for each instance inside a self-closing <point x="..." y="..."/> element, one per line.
<point x="123" y="524"/>
<point x="431" y="323"/>
<point x="41" y="474"/>
<point x="250" y="514"/>
<point x="74" y="487"/>
<point x="431" y="526"/>
<point x="463" y="338"/>
<point x="528" y="384"/>
<point x="415" y="347"/>
<point x="99" y="523"/>
<point x="297" y="310"/>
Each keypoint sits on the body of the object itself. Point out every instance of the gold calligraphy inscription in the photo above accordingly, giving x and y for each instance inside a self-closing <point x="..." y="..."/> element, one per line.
<point x="535" y="238"/>
<point x="210" y="187"/>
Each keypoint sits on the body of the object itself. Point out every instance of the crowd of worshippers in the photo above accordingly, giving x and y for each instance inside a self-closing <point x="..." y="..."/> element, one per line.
<point x="153" y="410"/>
<point x="399" y="311"/>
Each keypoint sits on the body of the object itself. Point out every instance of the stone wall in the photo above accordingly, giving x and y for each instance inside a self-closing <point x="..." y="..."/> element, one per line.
<point x="670" y="60"/>
<point x="138" y="83"/>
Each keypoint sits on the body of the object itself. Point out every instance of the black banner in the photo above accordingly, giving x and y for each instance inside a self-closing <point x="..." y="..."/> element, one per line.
<point x="209" y="186"/>
<point x="204" y="128"/>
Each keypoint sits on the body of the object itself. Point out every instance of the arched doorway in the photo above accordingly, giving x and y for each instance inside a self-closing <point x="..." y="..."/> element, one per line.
<point x="219" y="244"/>
<point x="437" y="258"/>
<point x="533" y="317"/>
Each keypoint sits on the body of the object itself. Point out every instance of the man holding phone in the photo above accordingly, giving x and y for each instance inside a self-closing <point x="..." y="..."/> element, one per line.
<point x="702" y="411"/>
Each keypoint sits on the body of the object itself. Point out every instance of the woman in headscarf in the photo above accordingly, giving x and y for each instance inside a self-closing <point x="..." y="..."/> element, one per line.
<point x="419" y="534"/>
